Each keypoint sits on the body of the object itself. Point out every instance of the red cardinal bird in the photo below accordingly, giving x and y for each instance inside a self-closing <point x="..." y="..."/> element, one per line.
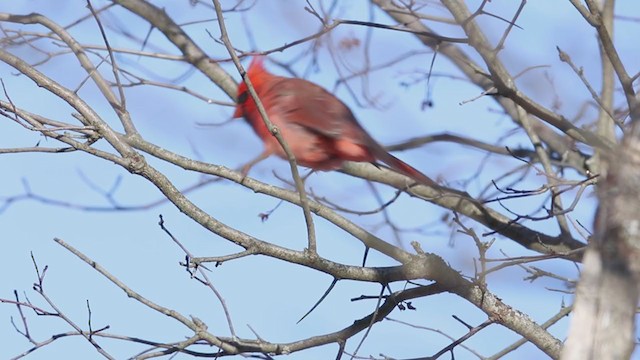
<point x="319" y="128"/>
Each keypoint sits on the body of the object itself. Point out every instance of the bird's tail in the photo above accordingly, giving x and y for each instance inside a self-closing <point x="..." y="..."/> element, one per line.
<point x="404" y="168"/>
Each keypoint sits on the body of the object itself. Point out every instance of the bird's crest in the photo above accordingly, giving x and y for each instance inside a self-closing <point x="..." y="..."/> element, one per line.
<point x="257" y="72"/>
<point x="256" y="66"/>
<point x="258" y="75"/>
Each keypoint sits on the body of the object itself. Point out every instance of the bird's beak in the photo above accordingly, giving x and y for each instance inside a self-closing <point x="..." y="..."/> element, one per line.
<point x="238" y="113"/>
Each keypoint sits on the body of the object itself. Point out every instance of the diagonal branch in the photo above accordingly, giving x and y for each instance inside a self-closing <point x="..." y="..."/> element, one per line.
<point x="193" y="54"/>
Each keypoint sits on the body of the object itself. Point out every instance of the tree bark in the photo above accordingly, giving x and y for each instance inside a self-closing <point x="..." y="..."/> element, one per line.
<point x="603" y="321"/>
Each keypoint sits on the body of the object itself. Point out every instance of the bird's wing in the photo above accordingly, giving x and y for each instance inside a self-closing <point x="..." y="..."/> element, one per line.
<point x="314" y="108"/>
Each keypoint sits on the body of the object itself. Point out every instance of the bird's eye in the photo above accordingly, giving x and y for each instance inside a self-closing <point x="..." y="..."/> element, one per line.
<point x="242" y="97"/>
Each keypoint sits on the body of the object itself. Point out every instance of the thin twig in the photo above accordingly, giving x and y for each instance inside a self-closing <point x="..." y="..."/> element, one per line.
<point x="304" y="201"/>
